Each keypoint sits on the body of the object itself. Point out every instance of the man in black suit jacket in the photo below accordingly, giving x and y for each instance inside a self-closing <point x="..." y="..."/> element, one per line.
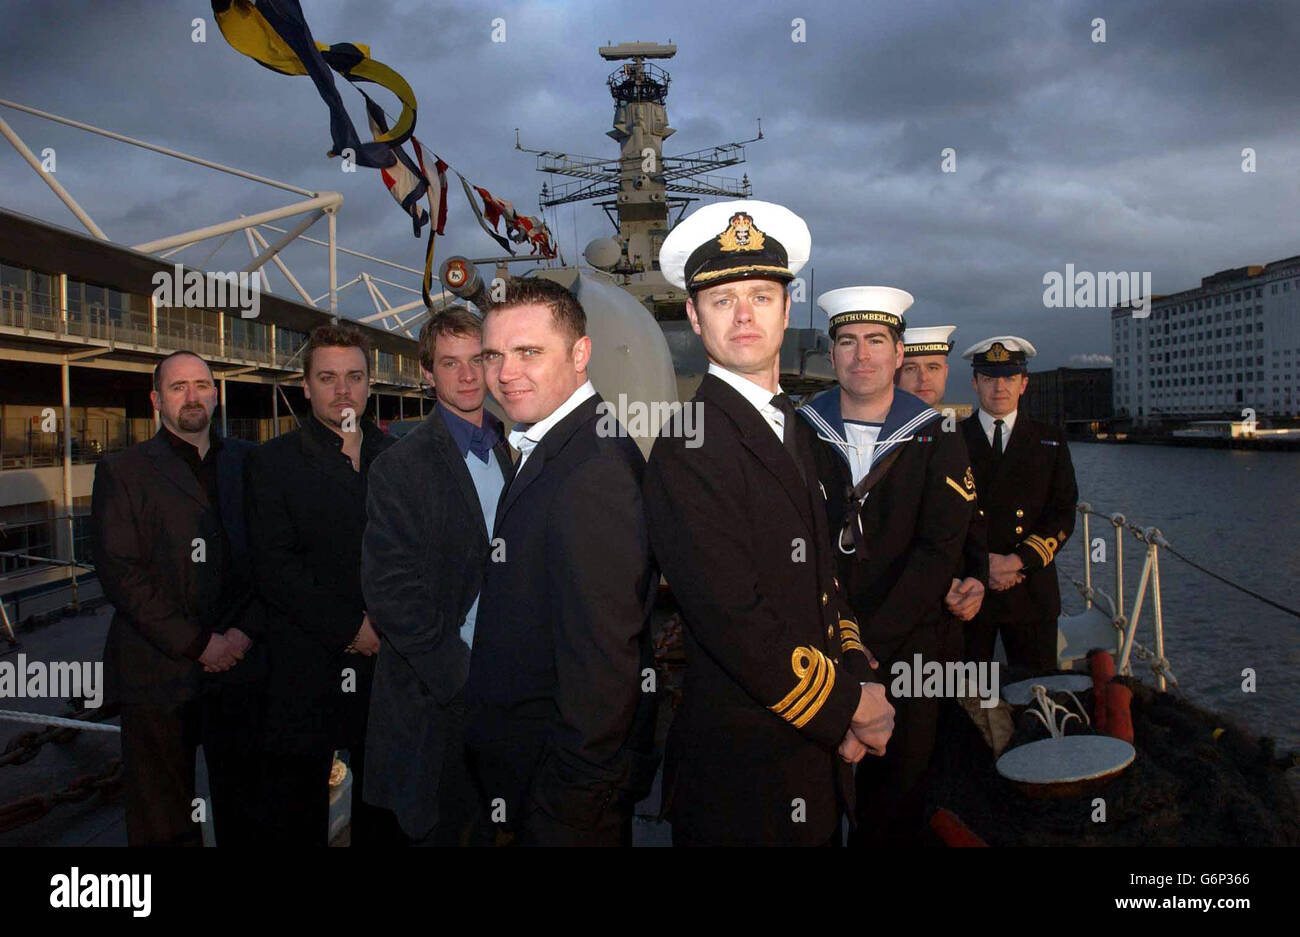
<point x="561" y="721"/>
<point x="306" y="494"/>
<point x="184" y="655"/>
<point x="431" y="499"/>
<point x="1028" y="494"/>
<point x="773" y="710"/>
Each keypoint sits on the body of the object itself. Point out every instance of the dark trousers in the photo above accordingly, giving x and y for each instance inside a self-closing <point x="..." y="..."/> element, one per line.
<point x="231" y="735"/>
<point x="891" y="788"/>
<point x="539" y="829"/>
<point x="297" y="797"/>
<point x="460" y="814"/>
<point x="1030" y="645"/>
<point x="158" y="747"/>
<point x="503" y="761"/>
<point x="159" y="741"/>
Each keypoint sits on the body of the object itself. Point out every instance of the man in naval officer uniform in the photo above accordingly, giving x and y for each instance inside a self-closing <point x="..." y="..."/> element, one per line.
<point x="900" y="496"/>
<point x="773" y="709"/>
<point x="925" y="374"/>
<point x="1027" y="491"/>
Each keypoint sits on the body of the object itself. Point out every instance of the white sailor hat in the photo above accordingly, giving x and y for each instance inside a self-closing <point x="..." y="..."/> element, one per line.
<point x="735" y="240"/>
<point x="928" y="340"/>
<point x="1000" y="356"/>
<point x="851" y="304"/>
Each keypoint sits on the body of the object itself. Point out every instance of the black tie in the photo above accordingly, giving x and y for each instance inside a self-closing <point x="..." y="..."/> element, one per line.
<point x="997" y="439"/>
<point x="789" y="437"/>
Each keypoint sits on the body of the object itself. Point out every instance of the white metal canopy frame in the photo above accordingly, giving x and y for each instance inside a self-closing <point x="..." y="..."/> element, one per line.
<point x="299" y="215"/>
<point x="403" y="318"/>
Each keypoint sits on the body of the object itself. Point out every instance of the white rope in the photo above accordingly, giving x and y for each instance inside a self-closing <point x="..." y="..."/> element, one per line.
<point x="41" y="720"/>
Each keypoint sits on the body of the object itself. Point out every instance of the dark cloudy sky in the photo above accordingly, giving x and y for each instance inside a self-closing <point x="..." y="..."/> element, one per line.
<point x="1123" y="155"/>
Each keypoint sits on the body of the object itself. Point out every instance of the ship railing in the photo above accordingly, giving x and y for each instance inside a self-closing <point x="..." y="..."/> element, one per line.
<point x="1126" y="644"/>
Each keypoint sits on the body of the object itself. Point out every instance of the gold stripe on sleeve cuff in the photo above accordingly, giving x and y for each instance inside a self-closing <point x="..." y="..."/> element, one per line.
<point x="816" y="676"/>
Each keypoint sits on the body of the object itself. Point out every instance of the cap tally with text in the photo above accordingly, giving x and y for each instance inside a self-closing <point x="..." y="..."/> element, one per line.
<point x="928" y="340"/>
<point x="1000" y="356"/>
<point x="852" y="304"/>
<point x="745" y="239"/>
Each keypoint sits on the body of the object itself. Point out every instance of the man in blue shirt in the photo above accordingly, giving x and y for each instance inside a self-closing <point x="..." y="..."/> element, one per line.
<point x="430" y="506"/>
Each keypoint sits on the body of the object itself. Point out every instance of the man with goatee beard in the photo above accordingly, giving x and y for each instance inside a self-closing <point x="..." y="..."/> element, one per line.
<point x="306" y="518"/>
<point x="185" y="654"/>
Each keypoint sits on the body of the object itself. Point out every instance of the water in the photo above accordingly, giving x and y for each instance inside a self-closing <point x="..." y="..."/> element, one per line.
<point x="1235" y="512"/>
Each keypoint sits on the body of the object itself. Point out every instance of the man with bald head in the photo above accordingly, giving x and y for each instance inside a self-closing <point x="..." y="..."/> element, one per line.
<point x="184" y="653"/>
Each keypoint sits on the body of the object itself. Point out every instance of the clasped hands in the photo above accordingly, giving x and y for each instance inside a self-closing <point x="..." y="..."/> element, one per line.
<point x="1005" y="570"/>
<point x="223" y="651"/>
<point x="964" y="598"/>
<point x="872" y="723"/>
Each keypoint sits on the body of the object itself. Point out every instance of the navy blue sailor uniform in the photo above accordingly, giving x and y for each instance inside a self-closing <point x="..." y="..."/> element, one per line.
<point x="1028" y="498"/>
<point x="898" y="547"/>
<point x="926" y="341"/>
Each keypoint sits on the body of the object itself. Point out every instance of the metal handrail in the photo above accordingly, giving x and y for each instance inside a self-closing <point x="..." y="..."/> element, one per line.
<point x="1150" y="577"/>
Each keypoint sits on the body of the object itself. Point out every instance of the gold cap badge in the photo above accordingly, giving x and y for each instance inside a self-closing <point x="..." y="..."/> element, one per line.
<point x="741" y="234"/>
<point x="997" y="352"/>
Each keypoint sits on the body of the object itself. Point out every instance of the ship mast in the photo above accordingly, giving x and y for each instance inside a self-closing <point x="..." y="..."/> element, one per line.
<point x="642" y="189"/>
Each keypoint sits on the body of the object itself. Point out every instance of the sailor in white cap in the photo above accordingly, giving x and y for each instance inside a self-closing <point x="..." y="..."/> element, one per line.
<point x="900" y="497"/>
<point x="736" y="520"/>
<point x="925" y="362"/>
<point x="925" y="374"/>
<point x="1027" y="492"/>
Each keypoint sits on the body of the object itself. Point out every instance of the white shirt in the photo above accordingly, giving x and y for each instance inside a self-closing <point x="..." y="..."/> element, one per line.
<point x="760" y="397"/>
<point x="526" y="438"/>
<point x="862" y="439"/>
<point x="1008" y="422"/>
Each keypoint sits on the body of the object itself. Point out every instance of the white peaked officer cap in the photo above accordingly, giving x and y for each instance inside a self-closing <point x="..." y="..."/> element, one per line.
<point x="745" y="239"/>
<point x="1000" y="356"/>
<point x="851" y="304"/>
<point x="928" y="340"/>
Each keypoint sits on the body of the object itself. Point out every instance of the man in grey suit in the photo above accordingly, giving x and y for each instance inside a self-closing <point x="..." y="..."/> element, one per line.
<point x="429" y="508"/>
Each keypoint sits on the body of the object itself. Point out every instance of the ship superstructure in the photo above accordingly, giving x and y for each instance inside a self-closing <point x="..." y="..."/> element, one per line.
<point x="644" y="193"/>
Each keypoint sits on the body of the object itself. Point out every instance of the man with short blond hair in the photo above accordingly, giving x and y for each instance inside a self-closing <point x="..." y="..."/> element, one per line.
<point x="774" y="662"/>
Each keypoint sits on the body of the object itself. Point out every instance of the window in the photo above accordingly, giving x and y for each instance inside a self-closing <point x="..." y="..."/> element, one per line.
<point x="29" y="529"/>
<point x="27" y="292"/>
<point x="288" y="341"/>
